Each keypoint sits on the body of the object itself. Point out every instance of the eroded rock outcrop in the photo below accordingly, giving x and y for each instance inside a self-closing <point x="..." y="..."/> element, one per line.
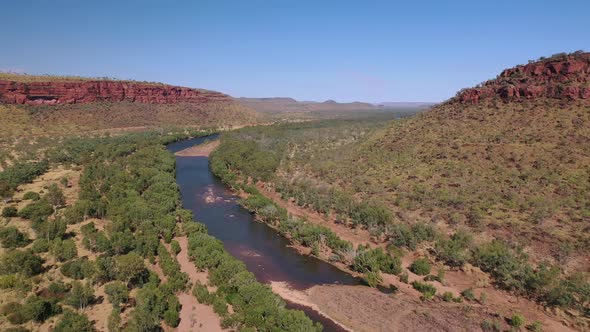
<point x="71" y="92"/>
<point x="559" y="77"/>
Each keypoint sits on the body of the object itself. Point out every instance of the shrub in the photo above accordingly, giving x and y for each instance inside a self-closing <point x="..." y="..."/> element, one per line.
<point x="372" y="278"/>
<point x="468" y="294"/>
<point x="130" y="268"/>
<point x="36" y="210"/>
<point x="9" y="212"/>
<point x="427" y="290"/>
<point x="21" y="261"/>
<point x="421" y="267"/>
<point x="73" y="322"/>
<point x="11" y="237"/>
<point x="375" y="260"/>
<point x="63" y="250"/>
<point x="117" y="293"/>
<point x="175" y="246"/>
<point x="15" y="282"/>
<point x="404" y="277"/>
<point x="40" y="245"/>
<point x="201" y="292"/>
<point x="31" y="195"/>
<point x="78" y="269"/>
<point x="448" y="296"/>
<point x="491" y="325"/>
<point x="55" y="196"/>
<point x="517" y="321"/>
<point x="81" y="295"/>
<point x="39" y="309"/>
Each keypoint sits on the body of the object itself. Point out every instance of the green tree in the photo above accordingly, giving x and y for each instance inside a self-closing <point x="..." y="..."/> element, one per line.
<point x="63" y="250"/>
<point x="80" y="295"/>
<point x="21" y="261"/>
<point x="130" y="268"/>
<point x="11" y="237"/>
<point x="55" y="196"/>
<point x="117" y="293"/>
<point x="74" y="322"/>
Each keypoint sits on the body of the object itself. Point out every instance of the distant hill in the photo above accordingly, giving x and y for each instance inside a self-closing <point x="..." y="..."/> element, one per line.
<point x="281" y="104"/>
<point x="50" y="103"/>
<point x="405" y="104"/>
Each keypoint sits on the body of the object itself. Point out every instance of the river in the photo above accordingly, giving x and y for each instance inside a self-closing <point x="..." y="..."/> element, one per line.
<point x="265" y="253"/>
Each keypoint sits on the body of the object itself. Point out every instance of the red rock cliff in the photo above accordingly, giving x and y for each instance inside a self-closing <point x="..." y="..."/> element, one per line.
<point x="559" y="77"/>
<point x="56" y="93"/>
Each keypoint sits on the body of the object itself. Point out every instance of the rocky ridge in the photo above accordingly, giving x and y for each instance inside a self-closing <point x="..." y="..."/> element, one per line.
<point x="562" y="76"/>
<point x="61" y="93"/>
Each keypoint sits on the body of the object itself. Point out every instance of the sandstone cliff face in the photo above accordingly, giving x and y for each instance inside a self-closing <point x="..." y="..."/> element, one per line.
<point x="564" y="77"/>
<point x="59" y="93"/>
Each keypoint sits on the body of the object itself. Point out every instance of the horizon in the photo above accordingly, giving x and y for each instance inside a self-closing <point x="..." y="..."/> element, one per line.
<point x="375" y="53"/>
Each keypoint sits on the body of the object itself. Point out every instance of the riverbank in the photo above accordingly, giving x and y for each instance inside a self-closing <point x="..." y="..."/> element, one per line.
<point x="497" y="302"/>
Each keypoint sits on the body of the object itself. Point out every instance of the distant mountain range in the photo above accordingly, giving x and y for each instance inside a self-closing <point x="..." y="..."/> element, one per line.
<point x="286" y="104"/>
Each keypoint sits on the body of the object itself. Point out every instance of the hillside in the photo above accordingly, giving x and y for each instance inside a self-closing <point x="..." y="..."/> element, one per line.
<point x="493" y="191"/>
<point x="278" y="105"/>
<point x="45" y="104"/>
<point x="510" y="163"/>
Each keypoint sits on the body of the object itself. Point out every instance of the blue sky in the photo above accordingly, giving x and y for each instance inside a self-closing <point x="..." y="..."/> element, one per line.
<point x="310" y="50"/>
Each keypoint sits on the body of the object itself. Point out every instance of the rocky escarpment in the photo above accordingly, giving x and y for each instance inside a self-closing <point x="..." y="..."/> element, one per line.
<point x="563" y="76"/>
<point x="71" y="92"/>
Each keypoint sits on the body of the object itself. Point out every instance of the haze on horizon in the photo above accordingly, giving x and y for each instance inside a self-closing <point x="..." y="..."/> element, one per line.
<point x="374" y="51"/>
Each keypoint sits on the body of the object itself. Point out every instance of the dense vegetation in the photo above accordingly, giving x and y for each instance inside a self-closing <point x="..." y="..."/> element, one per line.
<point x="128" y="182"/>
<point x="304" y="163"/>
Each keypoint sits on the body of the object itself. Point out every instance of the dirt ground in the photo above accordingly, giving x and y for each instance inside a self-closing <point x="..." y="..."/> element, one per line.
<point x="201" y="150"/>
<point x="194" y="316"/>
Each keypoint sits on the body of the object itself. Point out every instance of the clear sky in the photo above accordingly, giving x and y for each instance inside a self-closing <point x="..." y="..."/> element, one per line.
<point x="310" y="50"/>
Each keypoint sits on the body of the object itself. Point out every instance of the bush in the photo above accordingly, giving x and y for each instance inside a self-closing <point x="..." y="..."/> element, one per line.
<point x="73" y="322"/>
<point x="81" y="295"/>
<point x="448" y="296"/>
<point x="117" y="293"/>
<point x="9" y="212"/>
<point x="36" y="210"/>
<point x="373" y="279"/>
<point x="517" y="321"/>
<point x="63" y="250"/>
<point x="31" y="195"/>
<point x="55" y="196"/>
<point x="375" y="260"/>
<point x="468" y="294"/>
<point x="40" y="245"/>
<point x="16" y="282"/>
<point x="175" y="246"/>
<point x="21" y="261"/>
<point x="11" y="237"/>
<point x="80" y="268"/>
<point x="492" y="326"/>
<point x="39" y="309"/>
<point x="421" y="267"/>
<point x="201" y="292"/>
<point x="427" y="290"/>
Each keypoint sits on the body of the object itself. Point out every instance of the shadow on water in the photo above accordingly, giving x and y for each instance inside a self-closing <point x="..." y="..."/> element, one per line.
<point x="265" y="253"/>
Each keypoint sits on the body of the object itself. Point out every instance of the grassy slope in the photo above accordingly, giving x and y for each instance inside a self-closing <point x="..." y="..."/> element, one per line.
<point x="524" y="168"/>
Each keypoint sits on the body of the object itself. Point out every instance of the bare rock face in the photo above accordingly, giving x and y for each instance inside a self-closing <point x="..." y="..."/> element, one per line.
<point x="59" y="93"/>
<point x="559" y="77"/>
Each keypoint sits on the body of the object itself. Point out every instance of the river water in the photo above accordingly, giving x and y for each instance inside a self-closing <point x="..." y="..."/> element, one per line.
<point x="265" y="253"/>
